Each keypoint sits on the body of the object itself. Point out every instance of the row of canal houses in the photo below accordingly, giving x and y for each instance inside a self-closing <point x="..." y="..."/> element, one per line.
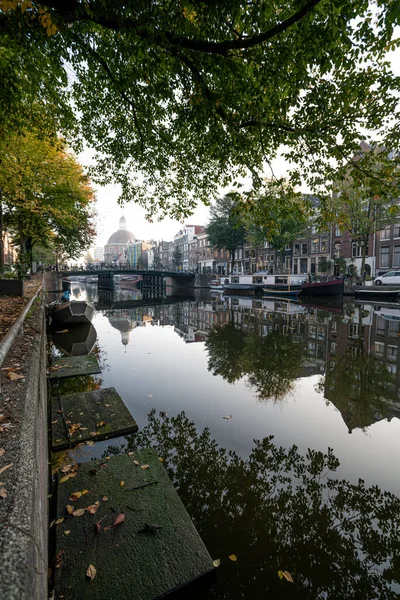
<point x="333" y="251"/>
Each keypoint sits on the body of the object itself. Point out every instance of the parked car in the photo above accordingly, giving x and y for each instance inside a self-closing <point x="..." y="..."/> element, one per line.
<point x="389" y="278"/>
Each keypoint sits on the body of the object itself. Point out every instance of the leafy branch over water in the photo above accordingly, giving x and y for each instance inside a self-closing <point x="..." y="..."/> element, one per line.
<point x="280" y="510"/>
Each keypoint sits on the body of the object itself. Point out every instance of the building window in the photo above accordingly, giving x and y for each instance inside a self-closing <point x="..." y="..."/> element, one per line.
<point x="392" y="369"/>
<point x="315" y="245"/>
<point x="337" y="231"/>
<point x="356" y="250"/>
<point x="288" y="247"/>
<point x="338" y="248"/>
<point x="397" y="231"/>
<point x="333" y="347"/>
<point x="380" y="326"/>
<point x="385" y="233"/>
<point x="324" y="245"/>
<point x="379" y="349"/>
<point x="384" y="256"/>
<point x="396" y="256"/>
<point x="392" y="352"/>
<point x="313" y="230"/>
<point x="266" y="244"/>
<point x="296" y="250"/>
<point x="287" y="262"/>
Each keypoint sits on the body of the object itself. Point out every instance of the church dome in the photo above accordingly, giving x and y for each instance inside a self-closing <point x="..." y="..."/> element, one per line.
<point x="122" y="236"/>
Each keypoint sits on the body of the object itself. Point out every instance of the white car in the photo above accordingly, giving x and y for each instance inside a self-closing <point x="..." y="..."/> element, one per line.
<point x="389" y="278"/>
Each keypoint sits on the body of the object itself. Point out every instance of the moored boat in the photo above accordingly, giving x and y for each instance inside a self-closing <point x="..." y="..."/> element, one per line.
<point x="292" y="293"/>
<point x="374" y="294"/>
<point x="239" y="288"/>
<point x="261" y="280"/>
<point x="216" y="286"/>
<point x="323" y="288"/>
<point x="71" y="313"/>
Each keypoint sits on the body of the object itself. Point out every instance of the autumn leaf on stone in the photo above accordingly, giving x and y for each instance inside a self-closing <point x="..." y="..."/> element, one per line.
<point x="122" y="483"/>
<point x="104" y="498"/>
<point x="14" y="376"/>
<point x="2" y="417"/>
<point x="74" y="496"/>
<point x="79" y="512"/>
<point x="66" y="477"/>
<point x="5" y="468"/>
<point x="59" y="521"/>
<point x="285" y="575"/>
<point x="101" y="424"/>
<point x="144" y="466"/>
<point x="119" y="519"/>
<point x="92" y="509"/>
<point x="232" y="557"/>
<point x="66" y="468"/>
<point x="3" y="493"/>
<point x="91" y="572"/>
<point x="2" y="451"/>
<point x="70" y="509"/>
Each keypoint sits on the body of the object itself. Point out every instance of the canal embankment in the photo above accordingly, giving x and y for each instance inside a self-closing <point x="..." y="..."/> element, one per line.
<point x="24" y="456"/>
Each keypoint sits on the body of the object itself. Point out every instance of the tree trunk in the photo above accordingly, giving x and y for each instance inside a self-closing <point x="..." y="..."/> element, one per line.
<point x="1" y="235"/>
<point x="363" y="255"/>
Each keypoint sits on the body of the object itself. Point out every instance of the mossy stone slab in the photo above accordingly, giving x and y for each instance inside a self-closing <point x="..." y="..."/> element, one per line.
<point x="71" y="366"/>
<point x="100" y="414"/>
<point x="153" y="552"/>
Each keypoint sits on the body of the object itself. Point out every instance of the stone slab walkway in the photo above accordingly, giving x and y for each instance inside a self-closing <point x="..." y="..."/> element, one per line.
<point x="71" y="366"/>
<point x="138" y="543"/>
<point x="87" y="416"/>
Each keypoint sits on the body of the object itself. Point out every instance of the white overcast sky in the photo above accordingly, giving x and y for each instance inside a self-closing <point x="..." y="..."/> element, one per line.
<point x="109" y="212"/>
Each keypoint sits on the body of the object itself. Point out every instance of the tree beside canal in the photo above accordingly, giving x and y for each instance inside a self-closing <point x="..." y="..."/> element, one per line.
<point x="47" y="199"/>
<point x="194" y="96"/>
<point x="226" y="230"/>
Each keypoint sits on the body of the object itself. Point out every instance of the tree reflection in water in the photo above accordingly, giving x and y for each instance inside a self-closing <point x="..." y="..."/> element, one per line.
<point x="280" y="510"/>
<point x="272" y="362"/>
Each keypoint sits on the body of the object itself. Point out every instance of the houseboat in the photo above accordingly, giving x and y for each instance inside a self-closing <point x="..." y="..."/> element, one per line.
<point x="216" y="286"/>
<point x="323" y="288"/>
<point x="263" y="283"/>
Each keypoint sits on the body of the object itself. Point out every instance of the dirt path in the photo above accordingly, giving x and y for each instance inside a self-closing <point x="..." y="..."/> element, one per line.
<point x="11" y="306"/>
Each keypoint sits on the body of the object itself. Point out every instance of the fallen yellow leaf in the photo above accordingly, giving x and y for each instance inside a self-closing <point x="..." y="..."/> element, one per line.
<point x="79" y="512"/>
<point x="91" y="572"/>
<point x="286" y="575"/>
<point x="232" y="557"/>
<point x="59" y="520"/>
<point x="145" y="466"/>
<point x="2" y="451"/>
<point x="104" y="498"/>
<point x="3" y="493"/>
<point x="70" y="509"/>
<point x="84" y="492"/>
<point x="67" y="532"/>
<point x="122" y="483"/>
<point x="160" y="458"/>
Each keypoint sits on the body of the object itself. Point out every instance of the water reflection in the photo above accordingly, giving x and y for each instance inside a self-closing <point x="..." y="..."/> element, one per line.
<point x="275" y="508"/>
<point x="280" y="510"/>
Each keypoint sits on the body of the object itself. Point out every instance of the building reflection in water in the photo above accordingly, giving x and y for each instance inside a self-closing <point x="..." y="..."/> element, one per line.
<point x="353" y="350"/>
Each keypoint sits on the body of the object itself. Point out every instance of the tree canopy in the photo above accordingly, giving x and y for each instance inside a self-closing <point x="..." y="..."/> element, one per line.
<point x="46" y="197"/>
<point x="179" y="98"/>
<point x="226" y="229"/>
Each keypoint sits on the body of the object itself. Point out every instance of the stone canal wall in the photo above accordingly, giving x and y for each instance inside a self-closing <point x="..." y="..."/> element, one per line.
<point x="24" y="451"/>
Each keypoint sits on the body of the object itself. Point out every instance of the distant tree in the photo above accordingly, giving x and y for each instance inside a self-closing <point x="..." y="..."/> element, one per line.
<point x="46" y="197"/>
<point x="177" y="258"/>
<point x="88" y="257"/>
<point x="226" y="230"/>
<point x="325" y="265"/>
<point x="366" y="198"/>
<point x="157" y="263"/>
<point x="276" y="213"/>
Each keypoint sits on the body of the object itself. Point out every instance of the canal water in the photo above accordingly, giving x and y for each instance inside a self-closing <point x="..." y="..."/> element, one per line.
<point x="278" y="423"/>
